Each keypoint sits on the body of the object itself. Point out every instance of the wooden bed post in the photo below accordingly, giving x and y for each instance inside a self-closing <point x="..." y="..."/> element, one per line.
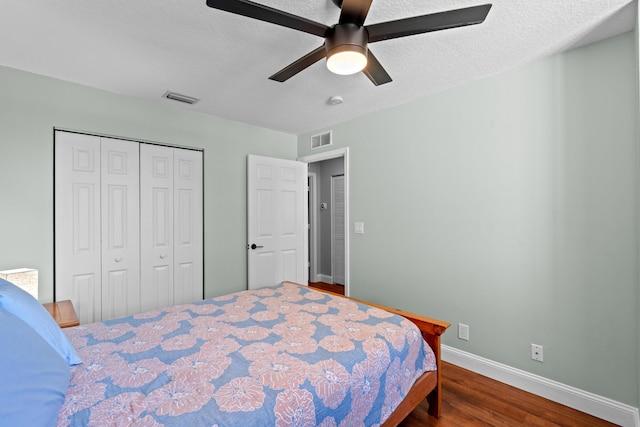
<point x="435" y="397"/>
<point x="431" y="330"/>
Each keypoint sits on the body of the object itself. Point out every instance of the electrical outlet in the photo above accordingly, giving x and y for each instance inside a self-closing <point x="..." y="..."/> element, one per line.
<point x="536" y="352"/>
<point x="463" y="331"/>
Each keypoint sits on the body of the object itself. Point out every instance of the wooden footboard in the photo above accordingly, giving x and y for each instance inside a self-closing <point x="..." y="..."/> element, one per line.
<point x="429" y="384"/>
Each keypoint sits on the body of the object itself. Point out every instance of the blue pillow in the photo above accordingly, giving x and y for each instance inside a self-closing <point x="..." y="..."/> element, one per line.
<point x="21" y="304"/>
<point x="33" y="377"/>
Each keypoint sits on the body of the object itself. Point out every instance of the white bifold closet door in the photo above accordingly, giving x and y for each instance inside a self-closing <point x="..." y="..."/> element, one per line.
<point x="119" y="201"/>
<point x="104" y="202"/>
<point x="171" y="226"/>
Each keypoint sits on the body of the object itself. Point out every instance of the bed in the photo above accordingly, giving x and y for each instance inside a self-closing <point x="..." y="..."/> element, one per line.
<point x="285" y="355"/>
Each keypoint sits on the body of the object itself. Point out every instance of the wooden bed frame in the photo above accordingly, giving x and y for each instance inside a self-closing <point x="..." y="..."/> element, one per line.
<point x="429" y="385"/>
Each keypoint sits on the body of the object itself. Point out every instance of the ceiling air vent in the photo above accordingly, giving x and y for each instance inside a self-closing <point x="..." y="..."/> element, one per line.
<point x="321" y="140"/>
<point x="180" y="98"/>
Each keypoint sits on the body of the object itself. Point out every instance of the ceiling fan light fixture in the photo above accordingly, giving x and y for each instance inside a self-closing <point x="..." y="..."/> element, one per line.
<point x="346" y="47"/>
<point x="347" y="61"/>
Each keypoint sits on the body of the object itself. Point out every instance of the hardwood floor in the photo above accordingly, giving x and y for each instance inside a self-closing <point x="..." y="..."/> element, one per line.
<point x="470" y="399"/>
<point x="331" y="287"/>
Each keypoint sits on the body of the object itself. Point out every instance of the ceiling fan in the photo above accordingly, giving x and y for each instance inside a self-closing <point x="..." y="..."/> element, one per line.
<point x="345" y="43"/>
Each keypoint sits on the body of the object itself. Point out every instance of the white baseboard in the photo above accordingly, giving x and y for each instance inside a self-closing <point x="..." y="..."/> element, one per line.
<point x="598" y="406"/>
<point x="324" y="278"/>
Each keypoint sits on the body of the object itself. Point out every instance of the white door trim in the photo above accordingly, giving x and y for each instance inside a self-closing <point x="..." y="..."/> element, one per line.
<point x="332" y="154"/>
<point x="313" y="227"/>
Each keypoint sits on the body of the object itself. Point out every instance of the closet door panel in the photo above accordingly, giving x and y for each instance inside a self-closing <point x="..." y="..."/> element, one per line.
<point x="77" y="222"/>
<point x="120" y="227"/>
<point x="156" y="226"/>
<point x="163" y="286"/>
<point x="115" y="294"/>
<point x="186" y="289"/>
<point x="188" y="219"/>
<point x="84" y="290"/>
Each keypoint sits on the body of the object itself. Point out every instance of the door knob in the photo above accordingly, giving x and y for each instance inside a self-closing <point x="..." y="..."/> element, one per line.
<point x="162" y="256"/>
<point x="254" y="246"/>
<point x="118" y="259"/>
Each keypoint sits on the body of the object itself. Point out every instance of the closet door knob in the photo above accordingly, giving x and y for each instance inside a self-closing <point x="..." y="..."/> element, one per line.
<point x="162" y="256"/>
<point x="118" y="259"/>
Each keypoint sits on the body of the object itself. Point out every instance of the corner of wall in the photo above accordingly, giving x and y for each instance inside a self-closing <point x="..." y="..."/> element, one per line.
<point x="637" y="178"/>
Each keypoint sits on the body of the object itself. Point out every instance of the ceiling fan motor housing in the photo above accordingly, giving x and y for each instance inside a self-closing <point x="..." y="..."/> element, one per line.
<point x="346" y="37"/>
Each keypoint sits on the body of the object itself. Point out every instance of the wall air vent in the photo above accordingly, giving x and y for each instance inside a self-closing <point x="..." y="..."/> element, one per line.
<point x="321" y="140"/>
<point x="180" y="98"/>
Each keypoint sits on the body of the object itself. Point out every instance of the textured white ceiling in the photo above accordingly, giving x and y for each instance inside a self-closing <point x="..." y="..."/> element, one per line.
<point x="143" y="48"/>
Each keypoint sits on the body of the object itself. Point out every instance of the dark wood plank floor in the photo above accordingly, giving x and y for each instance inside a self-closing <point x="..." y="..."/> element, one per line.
<point x="470" y="399"/>
<point x="331" y="287"/>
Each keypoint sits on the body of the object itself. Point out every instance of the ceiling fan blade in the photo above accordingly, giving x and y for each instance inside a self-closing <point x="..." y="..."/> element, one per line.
<point x="265" y="13"/>
<point x="306" y="61"/>
<point x="354" y="11"/>
<point x="427" y="23"/>
<point x="375" y="71"/>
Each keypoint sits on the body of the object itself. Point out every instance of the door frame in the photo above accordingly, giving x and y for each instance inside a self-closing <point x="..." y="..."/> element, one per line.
<point x="327" y="155"/>
<point x="313" y="226"/>
<point x="333" y="228"/>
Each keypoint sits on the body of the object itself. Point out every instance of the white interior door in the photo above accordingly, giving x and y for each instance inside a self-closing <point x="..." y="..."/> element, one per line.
<point x="277" y="221"/>
<point x="156" y="226"/>
<point x="78" y="274"/>
<point x="120" y="195"/>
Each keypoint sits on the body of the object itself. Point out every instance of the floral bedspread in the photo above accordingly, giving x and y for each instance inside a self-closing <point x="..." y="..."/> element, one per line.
<point x="276" y="356"/>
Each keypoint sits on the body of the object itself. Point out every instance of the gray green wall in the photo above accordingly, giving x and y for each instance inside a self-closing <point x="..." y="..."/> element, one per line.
<point x="31" y="106"/>
<point x="511" y="204"/>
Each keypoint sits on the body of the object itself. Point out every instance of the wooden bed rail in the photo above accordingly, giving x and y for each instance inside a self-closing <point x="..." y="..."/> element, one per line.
<point x="430" y="382"/>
